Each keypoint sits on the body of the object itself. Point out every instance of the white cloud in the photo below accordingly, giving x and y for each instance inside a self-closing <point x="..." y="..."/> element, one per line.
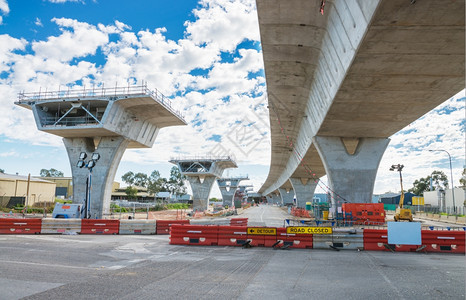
<point x="38" y="22"/>
<point x="83" y="39"/>
<point x="64" y="1"/>
<point x="4" y="7"/>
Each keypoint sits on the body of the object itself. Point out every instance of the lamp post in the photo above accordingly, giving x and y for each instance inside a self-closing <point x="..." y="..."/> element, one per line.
<point x="398" y="168"/>
<point x="90" y="164"/>
<point x="451" y="176"/>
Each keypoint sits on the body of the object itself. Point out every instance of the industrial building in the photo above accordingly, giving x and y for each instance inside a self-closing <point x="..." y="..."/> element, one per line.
<point x="14" y="190"/>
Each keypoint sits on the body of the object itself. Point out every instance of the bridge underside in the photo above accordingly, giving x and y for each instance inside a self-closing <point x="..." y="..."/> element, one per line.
<point x="363" y="69"/>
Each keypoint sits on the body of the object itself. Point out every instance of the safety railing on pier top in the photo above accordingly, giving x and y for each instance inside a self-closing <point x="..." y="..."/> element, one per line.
<point x="82" y="93"/>
<point x="203" y="158"/>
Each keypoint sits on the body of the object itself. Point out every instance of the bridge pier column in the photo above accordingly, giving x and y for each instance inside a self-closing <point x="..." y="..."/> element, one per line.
<point x="304" y="189"/>
<point x="201" y="187"/>
<point x="287" y="196"/>
<point x="111" y="149"/>
<point x="274" y="198"/>
<point x="351" y="172"/>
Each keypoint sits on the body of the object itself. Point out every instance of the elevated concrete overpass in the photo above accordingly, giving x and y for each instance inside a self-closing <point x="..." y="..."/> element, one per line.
<point x="341" y="83"/>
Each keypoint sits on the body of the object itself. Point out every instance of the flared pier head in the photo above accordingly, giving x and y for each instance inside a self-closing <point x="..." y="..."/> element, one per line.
<point x="104" y="121"/>
<point x="228" y="187"/>
<point x="202" y="173"/>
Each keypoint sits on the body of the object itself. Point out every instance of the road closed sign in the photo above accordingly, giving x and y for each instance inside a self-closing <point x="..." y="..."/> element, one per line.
<point x="309" y="230"/>
<point x="262" y="230"/>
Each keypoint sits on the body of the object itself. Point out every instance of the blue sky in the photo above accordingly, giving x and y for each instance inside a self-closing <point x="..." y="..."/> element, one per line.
<point x="204" y="55"/>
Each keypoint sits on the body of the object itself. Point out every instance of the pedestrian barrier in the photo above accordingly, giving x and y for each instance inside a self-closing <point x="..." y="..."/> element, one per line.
<point x="138" y="227"/>
<point x="97" y="226"/>
<point x="163" y="226"/>
<point x="60" y="226"/>
<point x="232" y="235"/>
<point x="203" y="235"/>
<point x="443" y="241"/>
<point x="22" y="226"/>
<point x="239" y="221"/>
<point x="292" y="240"/>
<point x="340" y="239"/>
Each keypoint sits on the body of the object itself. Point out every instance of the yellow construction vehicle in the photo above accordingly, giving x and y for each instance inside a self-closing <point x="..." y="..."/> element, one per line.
<point x="400" y="212"/>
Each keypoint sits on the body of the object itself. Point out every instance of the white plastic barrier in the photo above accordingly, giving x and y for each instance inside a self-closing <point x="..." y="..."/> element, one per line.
<point x="138" y="227"/>
<point x="60" y="226"/>
<point x="340" y="239"/>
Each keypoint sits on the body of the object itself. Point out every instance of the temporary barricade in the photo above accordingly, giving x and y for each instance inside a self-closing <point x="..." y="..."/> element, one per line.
<point x="210" y="222"/>
<point x="203" y="235"/>
<point x="262" y="236"/>
<point x="239" y="221"/>
<point x="443" y="241"/>
<point x="340" y="239"/>
<point x="291" y="240"/>
<point x="163" y="226"/>
<point x="60" y="226"/>
<point x="137" y="227"/>
<point x="232" y="235"/>
<point x="22" y="226"/>
<point x="97" y="226"/>
<point x="377" y="240"/>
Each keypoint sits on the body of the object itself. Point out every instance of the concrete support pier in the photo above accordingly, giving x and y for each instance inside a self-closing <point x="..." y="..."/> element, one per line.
<point x="287" y="196"/>
<point x="274" y="198"/>
<point x="228" y="187"/>
<point x="202" y="173"/>
<point x="304" y="189"/>
<point x="351" y="166"/>
<point x="103" y="121"/>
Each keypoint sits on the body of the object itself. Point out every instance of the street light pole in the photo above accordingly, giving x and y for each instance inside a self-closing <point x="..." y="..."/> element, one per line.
<point x="451" y="176"/>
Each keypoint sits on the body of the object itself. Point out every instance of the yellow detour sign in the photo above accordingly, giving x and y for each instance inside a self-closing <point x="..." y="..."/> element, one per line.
<point x="262" y="230"/>
<point x="309" y="230"/>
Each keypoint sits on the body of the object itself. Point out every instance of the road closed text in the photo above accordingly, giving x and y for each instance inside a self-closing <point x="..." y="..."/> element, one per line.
<point x="309" y="230"/>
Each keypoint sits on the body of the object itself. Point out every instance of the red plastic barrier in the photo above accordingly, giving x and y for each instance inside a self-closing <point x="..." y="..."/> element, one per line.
<point x="239" y="222"/>
<point x="203" y="235"/>
<point x="92" y="226"/>
<point x="232" y="235"/>
<point x="432" y="241"/>
<point x="301" y="241"/>
<point x="163" y="226"/>
<point x="20" y="226"/>
<point x="443" y="241"/>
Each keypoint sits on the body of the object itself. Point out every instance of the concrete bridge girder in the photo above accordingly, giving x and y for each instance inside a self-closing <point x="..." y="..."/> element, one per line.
<point x="111" y="149"/>
<point x="351" y="177"/>
<point x="201" y="187"/>
<point x="287" y="196"/>
<point x="304" y="189"/>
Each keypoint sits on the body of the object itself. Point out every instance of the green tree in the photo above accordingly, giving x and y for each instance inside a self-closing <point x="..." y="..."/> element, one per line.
<point x="439" y="181"/>
<point x="51" y="173"/>
<point x="2" y="171"/>
<point x="463" y="179"/>
<point x="131" y="192"/>
<point x="140" y="179"/>
<point x="175" y="183"/>
<point x="156" y="183"/>
<point x="128" y="178"/>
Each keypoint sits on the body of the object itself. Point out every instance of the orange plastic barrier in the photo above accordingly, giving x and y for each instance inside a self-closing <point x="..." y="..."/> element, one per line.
<point x="163" y="226"/>
<point x="21" y="226"/>
<point x="364" y="213"/>
<point x="239" y="222"/>
<point x="377" y="240"/>
<point x="232" y="235"/>
<point x="92" y="226"/>
<point x="443" y="241"/>
<point x="302" y="241"/>
<point x="203" y="235"/>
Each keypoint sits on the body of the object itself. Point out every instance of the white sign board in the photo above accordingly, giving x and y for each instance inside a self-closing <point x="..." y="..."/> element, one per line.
<point x="404" y="233"/>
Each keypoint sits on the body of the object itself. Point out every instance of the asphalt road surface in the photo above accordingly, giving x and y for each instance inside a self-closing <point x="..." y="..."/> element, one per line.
<point x="147" y="267"/>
